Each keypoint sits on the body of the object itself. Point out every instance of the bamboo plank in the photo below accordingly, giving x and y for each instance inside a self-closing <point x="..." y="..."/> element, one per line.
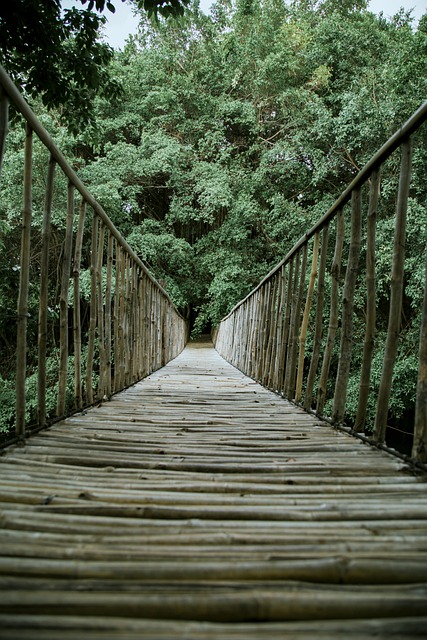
<point x="199" y="498"/>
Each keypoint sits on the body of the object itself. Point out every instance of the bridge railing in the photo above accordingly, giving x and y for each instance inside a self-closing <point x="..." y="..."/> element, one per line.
<point x="295" y="331"/>
<point x="124" y="327"/>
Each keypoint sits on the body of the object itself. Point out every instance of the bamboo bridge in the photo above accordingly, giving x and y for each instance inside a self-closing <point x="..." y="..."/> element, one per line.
<point x="211" y="489"/>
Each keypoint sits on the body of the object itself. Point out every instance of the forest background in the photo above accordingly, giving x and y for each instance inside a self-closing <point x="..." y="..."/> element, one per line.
<point x="216" y="141"/>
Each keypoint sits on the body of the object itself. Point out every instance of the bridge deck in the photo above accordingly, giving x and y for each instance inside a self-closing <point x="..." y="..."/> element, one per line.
<point x="197" y="504"/>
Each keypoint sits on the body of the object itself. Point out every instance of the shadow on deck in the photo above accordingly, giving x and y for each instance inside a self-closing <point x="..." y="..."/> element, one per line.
<point x="197" y="504"/>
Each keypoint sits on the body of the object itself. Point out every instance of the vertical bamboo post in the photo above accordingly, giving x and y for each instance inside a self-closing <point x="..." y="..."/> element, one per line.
<point x="280" y="335"/>
<point x="143" y="327"/>
<point x="419" y="449"/>
<point x="134" y="350"/>
<point x="254" y="329"/>
<point x="77" y="328"/>
<point x="293" y="303"/>
<point x="277" y="318"/>
<point x="396" y="293"/>
<point x="318" y="330"/>
<point x="127" y="321"/>
<point x="264" y="329"/>
<point x="295" y="326"/>
<point x="4" y="120"/>
<point x="147" y="324"/>
<point x="108" y="321"/>
<point x="92" y="317"/>
<point x="63" y="302"/>
<point x="306" y="317"/>
<point x="116" y="314"/>
<point x="272" y="337"/>
<point x="121" y="322"/>
<point x="333" y="314"/>
<point x="24" y="278"/>
<point x="368" y="347"/>
<point x="352" y="271"/>
<point x="286" y="327"/>
<point x="100" y="312"/>
<point x="44" y="290"/>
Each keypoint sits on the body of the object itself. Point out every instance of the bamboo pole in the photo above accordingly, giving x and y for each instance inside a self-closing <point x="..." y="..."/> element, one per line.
<point x="396" y="293"/>
<point x="24" y="277"/>
<point x="277" y="313"/>
<point x="295" y="326"/>
<point x="108" y="321"/>
<point x="121" y="322"/>
<point x="142" y="328"/>
<point x="4" y="120"/>
<point x="306" y="318"/>
<point x="77" y="327"/>
<point x="293" y="303"/>
<point x="100" y="312"/>
<point x="116" y="311"/>
<point x="92" y="318"/>
<point x="308" y="397"/>
<point x="134" y="342"/>
<point x="333" y="314"/>
<point x="63" y="302"/>
<point x="43" y="306"/>
<point x="352" y="271"/>
<point x="369" y="343"/>
<point x="419" y="449"/>
<point x="286" y="325"/>
<point x="272" y="338"/>
<point x="281" y="350"/>
<point x="127" y="321"/>
<point x="264" y="329"/>
<point x="254" y="301"/>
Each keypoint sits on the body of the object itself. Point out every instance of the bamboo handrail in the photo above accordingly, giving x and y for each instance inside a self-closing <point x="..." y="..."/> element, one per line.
<point x="410" y="126"/>
<point x="278" y="350"/>
<point x="106" y="338"/>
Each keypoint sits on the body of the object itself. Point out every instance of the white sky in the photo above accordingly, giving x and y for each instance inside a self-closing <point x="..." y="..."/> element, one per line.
<point x="123" y="22"/>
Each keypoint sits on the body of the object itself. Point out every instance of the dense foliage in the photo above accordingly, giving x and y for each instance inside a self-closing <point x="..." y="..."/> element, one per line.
<point x="234" y="132"/>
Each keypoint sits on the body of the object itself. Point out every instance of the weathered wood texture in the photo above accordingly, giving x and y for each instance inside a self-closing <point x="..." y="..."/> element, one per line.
<point x="197" y="504"/>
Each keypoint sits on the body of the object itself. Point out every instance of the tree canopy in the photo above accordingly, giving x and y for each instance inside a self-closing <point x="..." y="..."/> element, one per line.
<point x="57" y="53"/>
<point x="234" y="132"/>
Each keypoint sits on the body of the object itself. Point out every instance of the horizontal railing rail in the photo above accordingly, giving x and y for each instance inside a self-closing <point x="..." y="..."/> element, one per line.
<point x="129" y="325"/>
<point x="276" y="333"/>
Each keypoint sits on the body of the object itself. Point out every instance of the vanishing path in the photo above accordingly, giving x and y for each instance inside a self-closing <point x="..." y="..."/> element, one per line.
<point x="196" y="504"/>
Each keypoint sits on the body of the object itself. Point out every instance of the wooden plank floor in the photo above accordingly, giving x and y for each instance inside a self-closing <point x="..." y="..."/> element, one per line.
<point x="197" y="504"/>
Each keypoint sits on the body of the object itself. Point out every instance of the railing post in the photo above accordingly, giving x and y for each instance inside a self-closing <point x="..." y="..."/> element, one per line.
<point x="396" y="293"/>
<point x="77" y="328"/>
<point x="100" y="312"/>
<point x="308" y="396"/>
<point x="44" y="291"/>
<point x="63" y="302"/>
<point x="352" y="271"/>
<point x="291" y="364"/>
<point x="306" y="317"/>
<point x="369" y="343"/>
<point x="24" y="278"/>
<point x="4" y="121"/>
<point x="419" y="449"/>
<point x="108" y="318"/>
<point x="333" y="314"/>
<point x="92" y="317"/>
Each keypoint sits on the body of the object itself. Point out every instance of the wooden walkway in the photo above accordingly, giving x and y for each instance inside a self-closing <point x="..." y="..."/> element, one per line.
<point x="197" y="504"/>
